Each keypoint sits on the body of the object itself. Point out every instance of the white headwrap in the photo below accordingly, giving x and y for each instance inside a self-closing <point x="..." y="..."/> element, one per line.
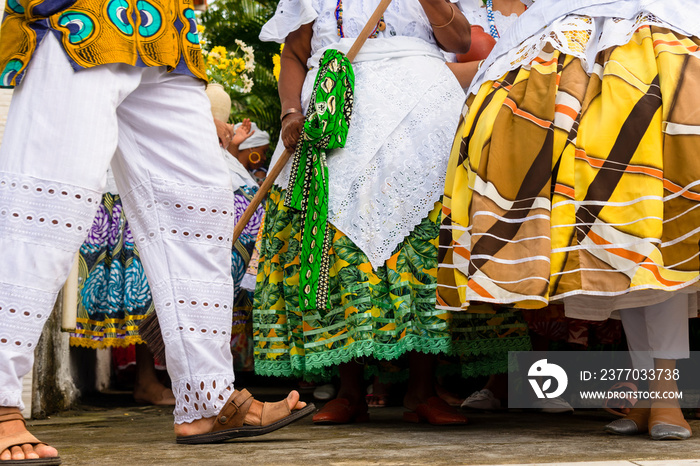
<point x="258" y="139"/>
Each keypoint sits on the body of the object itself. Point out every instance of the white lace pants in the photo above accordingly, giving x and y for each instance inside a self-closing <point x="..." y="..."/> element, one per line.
<point x="657" y="331"/>
<point x="156" y="128"/>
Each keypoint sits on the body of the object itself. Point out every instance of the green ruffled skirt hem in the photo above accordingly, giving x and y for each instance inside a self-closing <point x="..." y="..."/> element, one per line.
<point x="378" y="315"/>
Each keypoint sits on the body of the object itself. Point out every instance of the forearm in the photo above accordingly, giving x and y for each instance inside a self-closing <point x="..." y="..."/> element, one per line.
<point x="452" y="30"/>
<point x="297" y="50"/>
<point x="291" y="81"/>
<point x="293" y="69"/>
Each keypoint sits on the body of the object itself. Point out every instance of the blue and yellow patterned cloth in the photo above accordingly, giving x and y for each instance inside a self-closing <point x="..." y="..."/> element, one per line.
<point x="96" y="32"/>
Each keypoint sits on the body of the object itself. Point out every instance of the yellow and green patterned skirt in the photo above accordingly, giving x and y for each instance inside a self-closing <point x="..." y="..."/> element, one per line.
<point x="375" y="314"/>
<point x="564" y="184"/>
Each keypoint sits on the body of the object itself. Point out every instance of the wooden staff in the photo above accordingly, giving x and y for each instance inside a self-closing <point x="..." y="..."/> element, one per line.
<point x="275" y="171"/>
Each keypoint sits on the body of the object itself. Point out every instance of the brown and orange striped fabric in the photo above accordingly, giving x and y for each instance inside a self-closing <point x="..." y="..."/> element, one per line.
<point x="562" y="184"/>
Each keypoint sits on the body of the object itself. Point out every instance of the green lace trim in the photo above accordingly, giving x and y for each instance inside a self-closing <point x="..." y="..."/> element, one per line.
<point x="493" y="357"/>
<point x="319" y="363"/>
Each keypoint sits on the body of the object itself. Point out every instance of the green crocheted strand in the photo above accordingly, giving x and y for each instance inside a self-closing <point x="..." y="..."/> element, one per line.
<point x="326" y="128"/>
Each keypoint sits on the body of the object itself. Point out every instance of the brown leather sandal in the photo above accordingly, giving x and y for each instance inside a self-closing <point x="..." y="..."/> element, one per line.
<point x="229" y="422"/>
<point x="22" y="438"/>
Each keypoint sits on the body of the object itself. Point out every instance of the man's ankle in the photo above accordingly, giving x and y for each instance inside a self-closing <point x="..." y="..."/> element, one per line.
<point x="198" y="426"/>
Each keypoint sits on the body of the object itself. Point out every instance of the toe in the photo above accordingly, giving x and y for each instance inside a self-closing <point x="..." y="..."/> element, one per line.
<point x="293" y="400"/>
<point x="29" y="452"/>
<point x="45" y="451"/>
<point x="17" y="453"/>
<point x="5" y="455"/>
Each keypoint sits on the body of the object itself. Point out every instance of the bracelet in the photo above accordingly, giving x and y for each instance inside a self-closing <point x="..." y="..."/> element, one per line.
<point x="288" y="112"/>
<point x="447" y="23"/>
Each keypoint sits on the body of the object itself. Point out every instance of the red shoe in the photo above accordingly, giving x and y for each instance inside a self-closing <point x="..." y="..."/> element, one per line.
<point x="340" y="411"/>
<point x="437" y="412"/>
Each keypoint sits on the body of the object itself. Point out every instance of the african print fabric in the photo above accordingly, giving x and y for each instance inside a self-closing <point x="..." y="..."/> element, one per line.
<point x="113" y="291"/>
<point x="563" y="184"/>
<point x="325" y="129"/>
<point x="380" y="313"/>
<point x="243" y="250"/>
<point x="97" y="32"/>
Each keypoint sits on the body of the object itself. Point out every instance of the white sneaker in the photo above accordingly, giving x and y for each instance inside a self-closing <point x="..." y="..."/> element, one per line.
<point x="324" y="392"/>
<point x="556" y="405"/>
<point x="482" y="400"/>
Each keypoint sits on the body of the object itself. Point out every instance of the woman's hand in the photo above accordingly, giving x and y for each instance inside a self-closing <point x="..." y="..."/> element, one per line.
<point x="224" y="131"/>
<point x="242" y="133"/>
<point x="292" y="126"/>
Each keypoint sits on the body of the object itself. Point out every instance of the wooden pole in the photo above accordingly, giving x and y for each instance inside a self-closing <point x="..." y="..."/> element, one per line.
<point x="70" y="299"/>
<point x="275" y="171"/>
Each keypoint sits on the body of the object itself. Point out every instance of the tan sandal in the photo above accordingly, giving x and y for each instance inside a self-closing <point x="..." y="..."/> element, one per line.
<point x="22" y="438"/>
<point x="229" y="422"/>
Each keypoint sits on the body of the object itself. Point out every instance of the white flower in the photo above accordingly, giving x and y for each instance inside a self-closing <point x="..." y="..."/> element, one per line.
<point x="249" y="65"/>
<point x="248" y="55"/>
<point x="247" y="83"/>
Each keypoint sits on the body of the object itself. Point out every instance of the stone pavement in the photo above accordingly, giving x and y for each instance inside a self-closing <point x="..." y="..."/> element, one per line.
<point x="141" y="435"/>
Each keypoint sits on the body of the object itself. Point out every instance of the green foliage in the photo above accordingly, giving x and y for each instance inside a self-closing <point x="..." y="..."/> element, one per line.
<point x="228" y="20"/>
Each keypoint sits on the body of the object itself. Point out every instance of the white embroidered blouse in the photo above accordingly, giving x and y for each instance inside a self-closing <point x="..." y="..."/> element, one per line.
<point x="475" y="11"/>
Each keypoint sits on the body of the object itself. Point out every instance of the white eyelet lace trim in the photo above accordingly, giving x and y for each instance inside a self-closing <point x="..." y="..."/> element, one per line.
<point x="159" y="209"/>
<point x="40" y="211"/>
<point x="182" y="316"/>
<point x="576" y="35"/>
<point x="197" y="399"/>
<point x="23" y="312"/>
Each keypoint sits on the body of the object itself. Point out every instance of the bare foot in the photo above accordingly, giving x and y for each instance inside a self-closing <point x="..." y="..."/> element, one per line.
<point x="154" y="394"/>
<point x="199" y="426"/>
<point x="253" y="416"/>
<point x="204" y="425"/>
<point x="26" y="451"/>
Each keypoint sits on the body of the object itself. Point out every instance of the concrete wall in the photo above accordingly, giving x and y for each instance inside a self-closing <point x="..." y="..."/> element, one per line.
<point x="53" y="386"/>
